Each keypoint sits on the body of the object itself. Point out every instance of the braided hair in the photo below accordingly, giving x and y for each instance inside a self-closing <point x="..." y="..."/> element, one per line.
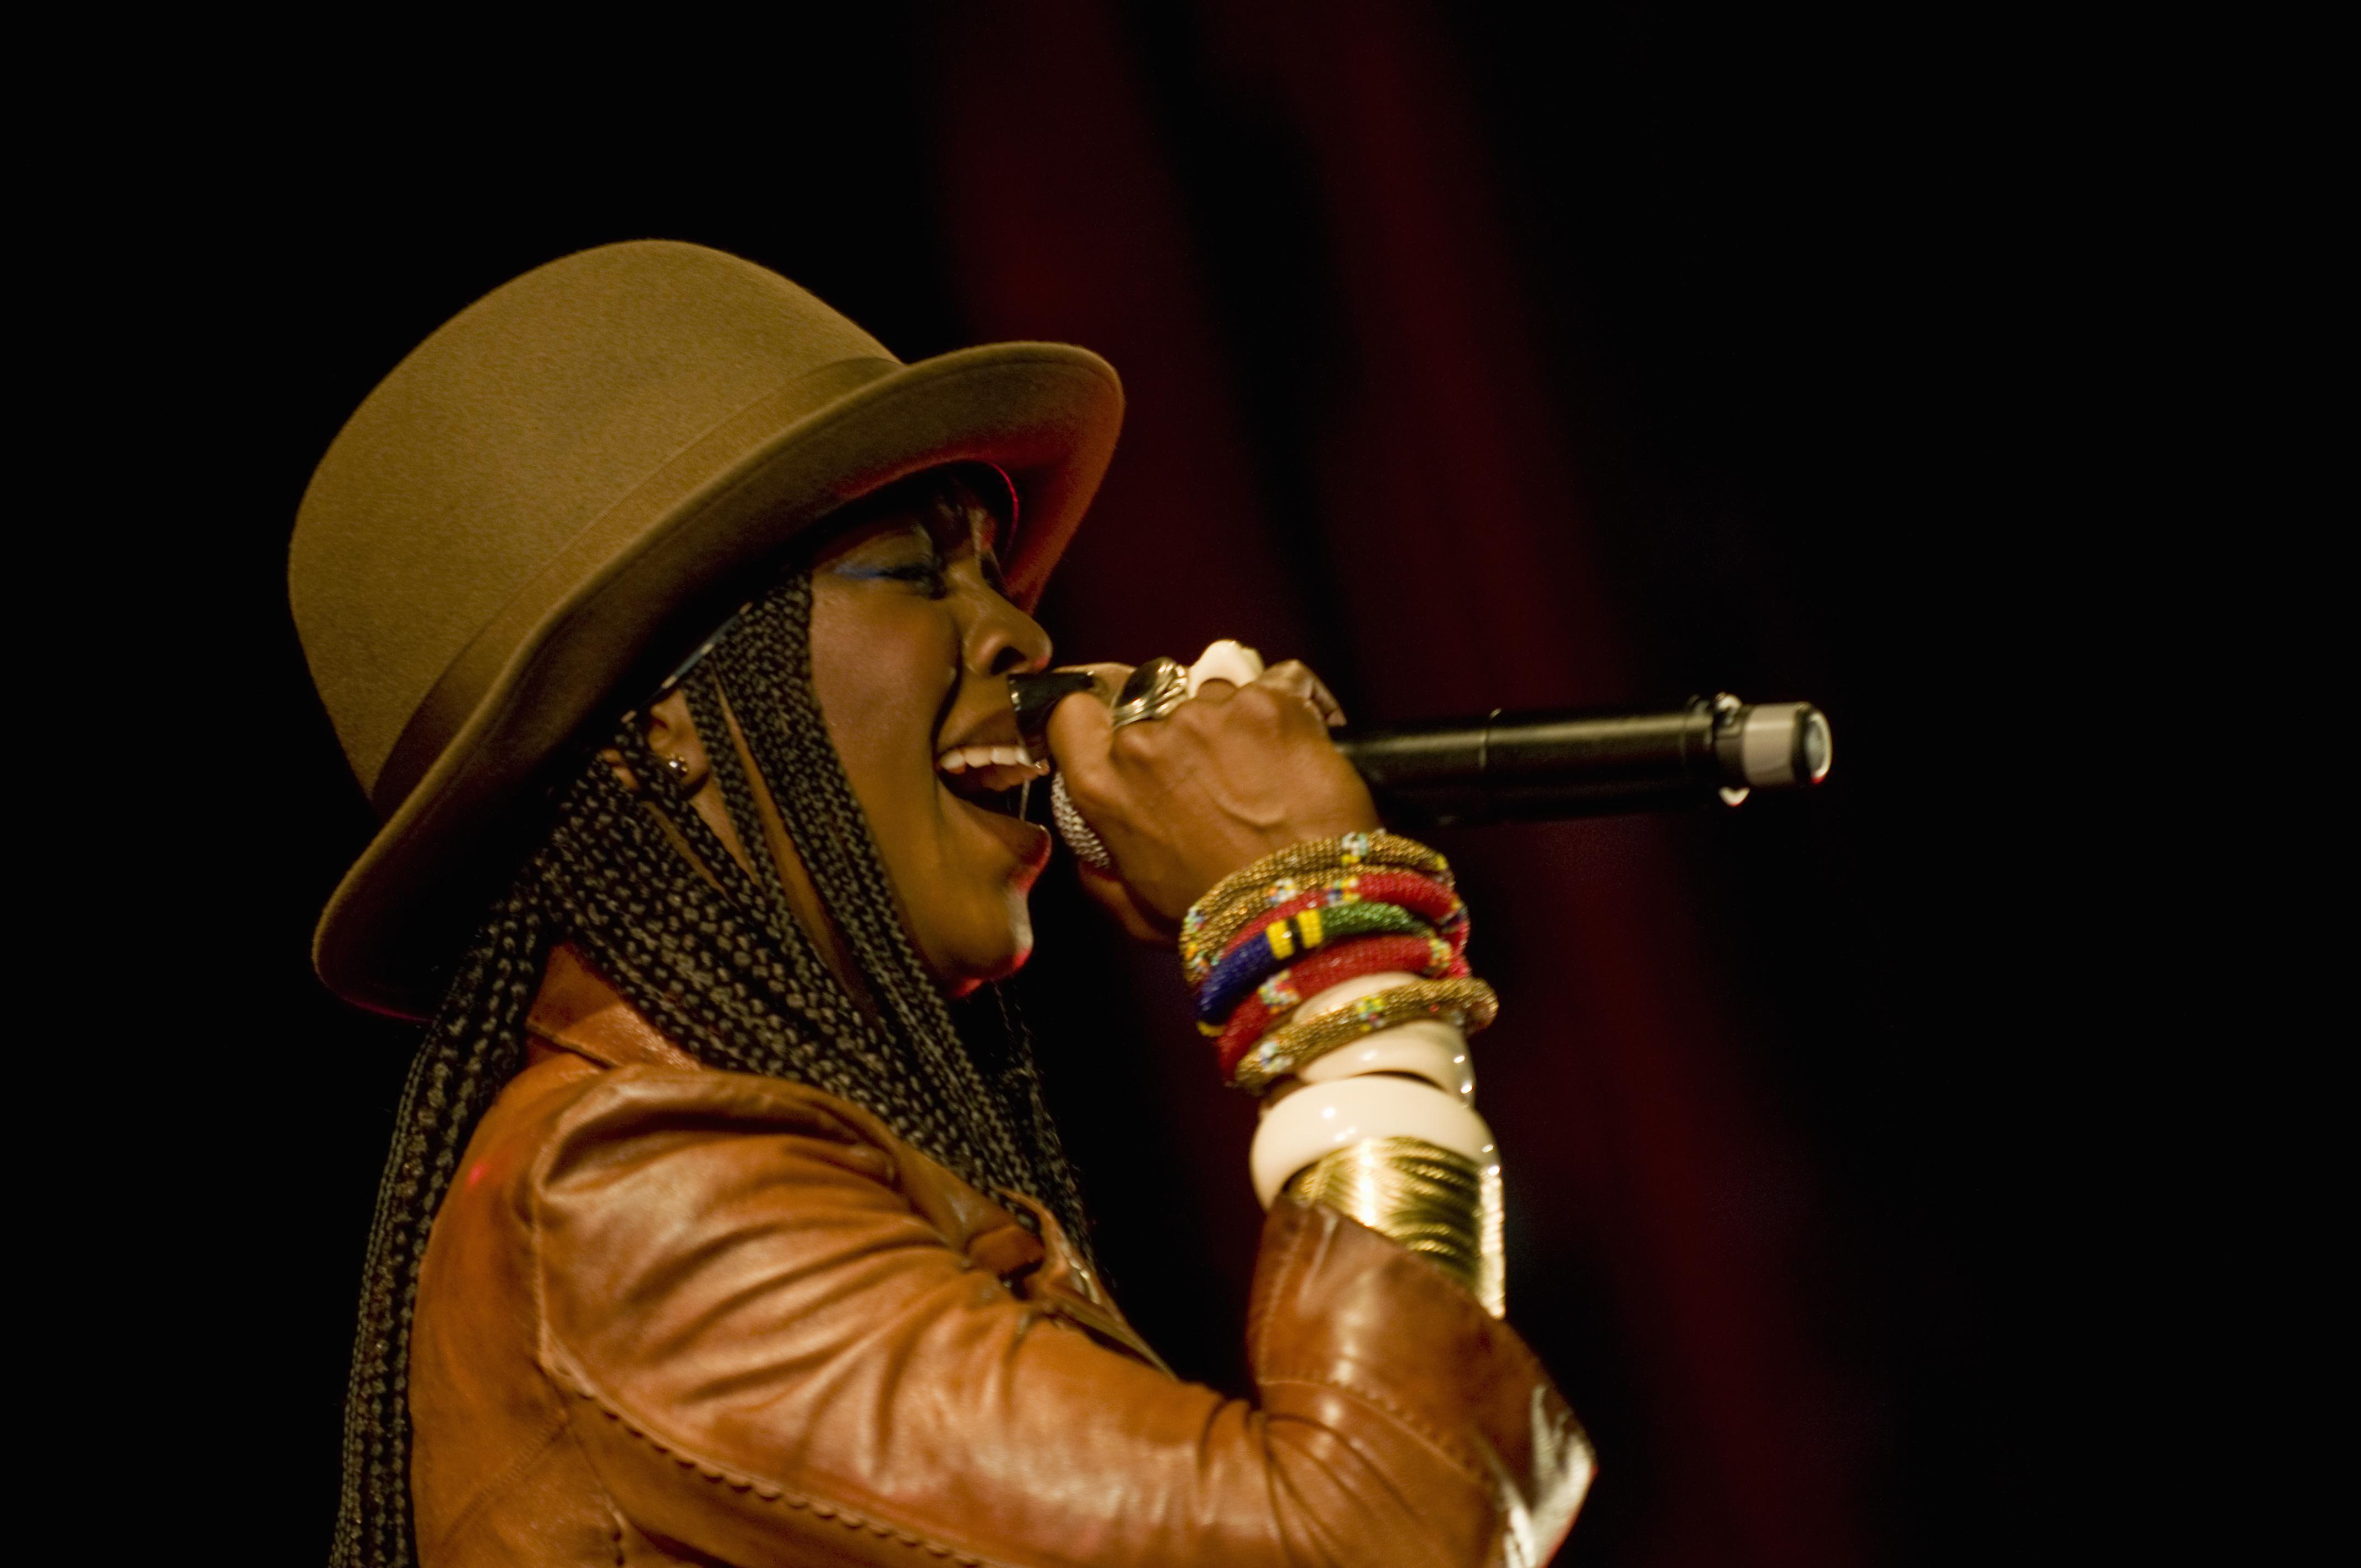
<point x="710" y="953"/>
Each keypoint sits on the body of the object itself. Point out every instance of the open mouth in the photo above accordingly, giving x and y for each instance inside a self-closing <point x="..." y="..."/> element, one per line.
<point x="989" y="777"/>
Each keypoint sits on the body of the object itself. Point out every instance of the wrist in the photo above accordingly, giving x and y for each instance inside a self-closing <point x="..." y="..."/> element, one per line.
<point x="1319" y="1119"/>
<point x="1330" y="973"/>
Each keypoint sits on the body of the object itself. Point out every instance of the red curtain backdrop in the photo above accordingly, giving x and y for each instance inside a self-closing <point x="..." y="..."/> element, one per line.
<point x="1430" y="537"/>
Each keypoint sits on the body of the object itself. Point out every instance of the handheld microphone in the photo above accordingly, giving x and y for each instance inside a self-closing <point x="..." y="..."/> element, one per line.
<point x="1502" y="767"/>
<point x="1523" y="766"/>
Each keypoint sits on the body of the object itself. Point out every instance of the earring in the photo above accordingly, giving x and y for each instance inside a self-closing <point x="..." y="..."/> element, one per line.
<point x="676" y="770"/>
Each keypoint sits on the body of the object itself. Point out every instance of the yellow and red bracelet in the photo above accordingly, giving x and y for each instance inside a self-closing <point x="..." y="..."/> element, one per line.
<point x="1312" y="857"/>
<point x="1254" y="957"/>
<point x="1432" y="899"/>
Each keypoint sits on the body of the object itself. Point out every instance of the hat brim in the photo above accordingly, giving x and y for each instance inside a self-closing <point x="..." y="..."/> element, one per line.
<point x="1047" y="414"/>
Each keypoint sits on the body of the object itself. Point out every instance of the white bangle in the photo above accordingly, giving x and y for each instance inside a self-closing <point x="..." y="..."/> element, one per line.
<point x="1322" y="1117"/>
<point x="1429" y="1049"/>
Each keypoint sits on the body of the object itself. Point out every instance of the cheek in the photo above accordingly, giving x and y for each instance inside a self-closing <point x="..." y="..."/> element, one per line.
<point x="881" y="672"/>
<point x="880" y="675"/>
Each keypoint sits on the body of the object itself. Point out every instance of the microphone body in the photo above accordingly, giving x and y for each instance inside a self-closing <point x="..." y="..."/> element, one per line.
<point x="1522" y="766"/>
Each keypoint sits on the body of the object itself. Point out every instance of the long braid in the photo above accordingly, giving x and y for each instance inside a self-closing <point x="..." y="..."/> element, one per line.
<point x="1001" y="1045"/>
<point x="688" y="957"/>
<point x="710" y="708"/>
<point x="767" y="945"/>
<point x="472" y="1048"/>
<point x="766" y="665"/>
<point x="715" y="960"/>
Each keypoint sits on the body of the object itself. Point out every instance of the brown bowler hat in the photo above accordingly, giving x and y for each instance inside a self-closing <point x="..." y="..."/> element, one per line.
<point x="555" y="497"/>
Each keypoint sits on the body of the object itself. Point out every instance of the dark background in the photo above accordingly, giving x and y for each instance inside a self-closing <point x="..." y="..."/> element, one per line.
<point x="1476" y="361"/>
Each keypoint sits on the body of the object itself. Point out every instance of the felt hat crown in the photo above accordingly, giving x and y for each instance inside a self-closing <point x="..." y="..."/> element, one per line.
<point x="555" y="497"/>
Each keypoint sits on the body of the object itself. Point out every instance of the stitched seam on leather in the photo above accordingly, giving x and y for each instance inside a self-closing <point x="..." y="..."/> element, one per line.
<point x="617" y="1524"/>
<point x="567" y="1375"/>
<point x="494" y="1488"/>
<point x="766" y="1490"/>
<point x="1446" y="1447"/>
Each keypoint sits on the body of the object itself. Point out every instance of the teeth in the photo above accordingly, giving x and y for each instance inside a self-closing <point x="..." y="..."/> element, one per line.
<point x="960" y="759"/>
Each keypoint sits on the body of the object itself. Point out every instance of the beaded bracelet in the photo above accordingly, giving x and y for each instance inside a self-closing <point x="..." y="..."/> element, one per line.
<point x="1287" y="896"/>
<point x="1216" y="927"/>
<point x="1291" y="895"/>
<point x="1327" y="907"/>
<point x="1315" y="856"/>
<point x="1429" y="957"/>
<point x="1246" y="965"/>
<point x="1467" y="1004"/>
<point x="1268" y="1004"/>
<point x="1212" y="917"/>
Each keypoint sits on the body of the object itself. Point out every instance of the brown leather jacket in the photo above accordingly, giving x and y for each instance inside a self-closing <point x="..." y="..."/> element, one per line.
<point x="671" y="1315"/>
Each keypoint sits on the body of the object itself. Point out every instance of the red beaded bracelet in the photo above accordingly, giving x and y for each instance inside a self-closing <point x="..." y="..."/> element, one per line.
<point x="1428" y="956"/>
<point x="1420" y="896"/>
<point x="1431" y="897"/>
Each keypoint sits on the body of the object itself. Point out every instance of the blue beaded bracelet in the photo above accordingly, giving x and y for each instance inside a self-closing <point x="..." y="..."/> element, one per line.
<point x="1281" y="942"/>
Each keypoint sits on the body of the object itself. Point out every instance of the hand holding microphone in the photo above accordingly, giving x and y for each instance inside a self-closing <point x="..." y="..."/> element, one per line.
<point x="1236" y="790"/>
<point x="1179" y="790"/>
<point x="1505" y="767"/>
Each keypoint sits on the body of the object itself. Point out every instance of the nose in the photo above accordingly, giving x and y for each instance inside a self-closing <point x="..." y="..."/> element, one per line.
<point x="1002" y="639"/>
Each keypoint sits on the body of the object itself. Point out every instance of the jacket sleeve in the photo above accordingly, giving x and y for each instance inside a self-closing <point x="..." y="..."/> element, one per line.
<point x="770" y="1357"/>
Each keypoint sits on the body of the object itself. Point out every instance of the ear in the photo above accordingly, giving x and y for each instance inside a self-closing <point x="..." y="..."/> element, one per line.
<point x="672" y="736"/>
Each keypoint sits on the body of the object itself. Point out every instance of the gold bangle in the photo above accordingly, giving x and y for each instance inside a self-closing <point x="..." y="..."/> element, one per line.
<point x="1467" y="1004"/>
<point x="1440" y="1205"/>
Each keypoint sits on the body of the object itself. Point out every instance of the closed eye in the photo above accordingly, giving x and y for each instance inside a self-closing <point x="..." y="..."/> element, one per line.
<point x="929" y="572"/>
<point x="930" y="575"/>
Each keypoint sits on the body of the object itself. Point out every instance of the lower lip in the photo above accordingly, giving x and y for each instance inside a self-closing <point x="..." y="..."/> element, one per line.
<point x="1027" y="842"/>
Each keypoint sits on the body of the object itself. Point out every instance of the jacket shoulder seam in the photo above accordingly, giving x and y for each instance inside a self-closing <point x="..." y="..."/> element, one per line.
<point x="611" y="1089"/>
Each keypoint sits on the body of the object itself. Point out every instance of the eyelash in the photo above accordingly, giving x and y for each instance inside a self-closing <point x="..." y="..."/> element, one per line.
<point x="933" y="574"/>
<point x="930" y="573"/>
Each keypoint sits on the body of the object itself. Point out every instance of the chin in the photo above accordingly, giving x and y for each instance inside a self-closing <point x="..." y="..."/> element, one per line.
<point x="975" y="980"/>
<point x="997" y="957"/>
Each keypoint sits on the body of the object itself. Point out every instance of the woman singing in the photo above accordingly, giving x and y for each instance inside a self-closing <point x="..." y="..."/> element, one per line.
<point x="671" y="625"/>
